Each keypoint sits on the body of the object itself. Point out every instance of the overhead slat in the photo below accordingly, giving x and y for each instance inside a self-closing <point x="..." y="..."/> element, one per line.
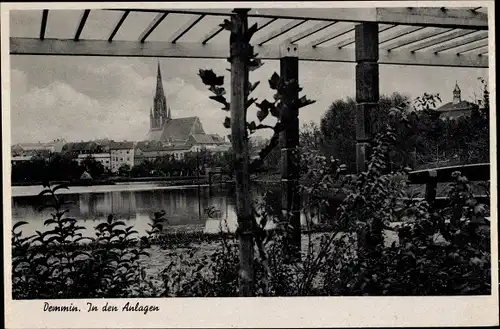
<point x="185" y="28"/>
<point x="414" y="38"/>
<point x="34" y="46"/>
<point x="472" y="47"/>
<point x="406" y="30"/>
<point x="441" y="39"/>
<point x="118" y="25"/>
<point x="314" y="29"/>
<point x="422" y="16"/>
<point x="328" y="37"/>
<point x="152" y="26"/>
<point x="216" y="30"/>
<point x="460" y="42"/>
<point x="81" y="25"/>
<point x="352" y="39"/>
<point x="274" y="34"/>
<point x="43" y="25"/>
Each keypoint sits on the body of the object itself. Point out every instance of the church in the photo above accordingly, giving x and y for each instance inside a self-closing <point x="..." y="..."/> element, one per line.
<point x="457" y="107"/>
<point x="173" y="131"/>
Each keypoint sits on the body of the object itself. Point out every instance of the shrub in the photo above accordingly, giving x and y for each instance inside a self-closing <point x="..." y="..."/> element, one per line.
<point x="56" y="263"/>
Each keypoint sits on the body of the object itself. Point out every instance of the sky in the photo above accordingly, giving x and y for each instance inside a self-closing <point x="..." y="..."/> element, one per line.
<point x="84" y="98"/>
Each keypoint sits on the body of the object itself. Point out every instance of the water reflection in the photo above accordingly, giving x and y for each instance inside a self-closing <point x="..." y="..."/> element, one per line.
<point x="185" y="208"/>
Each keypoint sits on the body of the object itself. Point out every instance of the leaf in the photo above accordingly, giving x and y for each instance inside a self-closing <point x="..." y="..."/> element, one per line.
<point x="254" y="85"/>
<point x="61" y="186"/>
<point x="251" y="31"/>
<point x="110" y="218"/>
<point x="227" y="122"/>
<point x="209" y="78"/>
<point x="261" y="114"/>
<point x="303" y="101"/>
<point x="50" y="221"/>
<point x="254" y="64"/>
<point x="274" y="81"/>
<point x="265" y="105"/>
<point x="18" y="224"/>
<point x="252" y="126"/>
<point x="250" y="102"/>
<point x="226" y="25"/>
<point x="44" y="192"/>
<point x="219" y="98"/>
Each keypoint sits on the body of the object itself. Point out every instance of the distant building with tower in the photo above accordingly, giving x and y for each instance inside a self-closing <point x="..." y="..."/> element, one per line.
<point x="457" y="107"/>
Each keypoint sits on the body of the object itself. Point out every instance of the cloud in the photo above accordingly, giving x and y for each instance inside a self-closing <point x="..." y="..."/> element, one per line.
<point x="59" y="110"/>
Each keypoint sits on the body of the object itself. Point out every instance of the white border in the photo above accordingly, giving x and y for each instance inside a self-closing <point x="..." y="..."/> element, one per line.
<point x="250" y="312"/>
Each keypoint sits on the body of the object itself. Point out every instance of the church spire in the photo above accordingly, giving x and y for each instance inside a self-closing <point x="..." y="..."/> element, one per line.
<point x="457" y="94"/>
<point x="159" y="83"/>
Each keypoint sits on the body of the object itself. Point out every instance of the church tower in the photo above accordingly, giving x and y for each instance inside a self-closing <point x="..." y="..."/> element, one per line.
<point x="457" y="94"/>
<point x="160" y="112"/>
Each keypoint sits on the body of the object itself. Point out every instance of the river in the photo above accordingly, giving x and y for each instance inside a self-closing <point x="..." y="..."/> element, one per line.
<point x="185" y="207"/>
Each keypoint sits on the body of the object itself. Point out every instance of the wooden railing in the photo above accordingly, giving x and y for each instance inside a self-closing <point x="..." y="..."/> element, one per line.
<point x="431" y="177"/>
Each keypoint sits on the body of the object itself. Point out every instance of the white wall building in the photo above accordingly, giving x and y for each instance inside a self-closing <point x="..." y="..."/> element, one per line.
<point x="103" y="158"/>
<point x="121" y="153"/>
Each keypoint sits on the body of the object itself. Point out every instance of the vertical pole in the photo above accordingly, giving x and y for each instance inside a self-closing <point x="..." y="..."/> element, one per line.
<point x="367" y="88"/>
<point x="239" y="49"/>
<point x="289" y="145"/>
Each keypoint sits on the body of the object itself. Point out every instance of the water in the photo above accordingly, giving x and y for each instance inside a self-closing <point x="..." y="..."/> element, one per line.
<point x="133" y="203"/>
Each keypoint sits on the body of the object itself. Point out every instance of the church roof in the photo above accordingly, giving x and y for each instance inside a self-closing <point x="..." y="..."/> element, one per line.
<point x="208" y="139"/>
<point x="177" y="129"/>
<point x="121" y="145"/>
<point x="460" y="106"/>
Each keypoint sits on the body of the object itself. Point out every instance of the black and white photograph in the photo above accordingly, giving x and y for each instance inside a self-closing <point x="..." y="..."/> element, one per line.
<point x="195" y="151"/>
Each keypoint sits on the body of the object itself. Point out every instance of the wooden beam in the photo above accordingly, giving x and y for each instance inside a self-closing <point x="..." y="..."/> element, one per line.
<point x="239" y="140"/>
<point x="152" y="26"/>
<point x="404" y="31"/>
<point x="68" y="47"/>
<point x="434" y="17"/>
<point x="81" y="25"/>
<point x="216" y="30"/>
<point x="333" y="35"/>
<point x="118" y="25"/>
<point x="289" y="145"/>
<point x="460" y="42"/>
<point x="351" y="40"/>
<point x="422" y="16"/>
<point x="213" y="32"/>
<point x="441" y="39"/>
<point x="367" y="89"/>
<point x="274" y="34"/>
<point x="414" y="38"/>
<point x="185" y="28"/>
<point x="314" y="29"/>
<point x="43" y="25"/>
<point x="472" y="47"/>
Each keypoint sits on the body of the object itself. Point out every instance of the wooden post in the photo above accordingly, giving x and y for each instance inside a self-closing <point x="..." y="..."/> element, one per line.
<point x="367" y="88"/>
<point x="239" y="93"/>
<point x="289" y="145"/>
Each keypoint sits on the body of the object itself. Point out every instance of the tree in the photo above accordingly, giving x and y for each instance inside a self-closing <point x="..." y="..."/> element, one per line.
<point x="93" y="167"/>
<point x="124" y="170"/>
<point x="310" y="136"/>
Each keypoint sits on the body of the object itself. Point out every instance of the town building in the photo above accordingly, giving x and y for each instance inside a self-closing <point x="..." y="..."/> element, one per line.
<point x="457" y="107"/>
<point x="152" y="150"/>
<point x="121" y="153"/>
<point x="54" y="146"/>
<point x="103" y="158"/>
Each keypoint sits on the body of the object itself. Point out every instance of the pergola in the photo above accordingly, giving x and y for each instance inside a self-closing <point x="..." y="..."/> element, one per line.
<point x="368" y="37"/>
<point x="445" y="37"/>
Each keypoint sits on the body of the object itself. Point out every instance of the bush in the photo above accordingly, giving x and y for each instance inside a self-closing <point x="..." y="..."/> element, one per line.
<point x="56" y="263"/>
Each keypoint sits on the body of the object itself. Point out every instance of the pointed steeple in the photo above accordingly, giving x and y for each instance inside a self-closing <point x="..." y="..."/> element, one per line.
<point x="159" y="83"/>
<point x="457" y="94"/>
